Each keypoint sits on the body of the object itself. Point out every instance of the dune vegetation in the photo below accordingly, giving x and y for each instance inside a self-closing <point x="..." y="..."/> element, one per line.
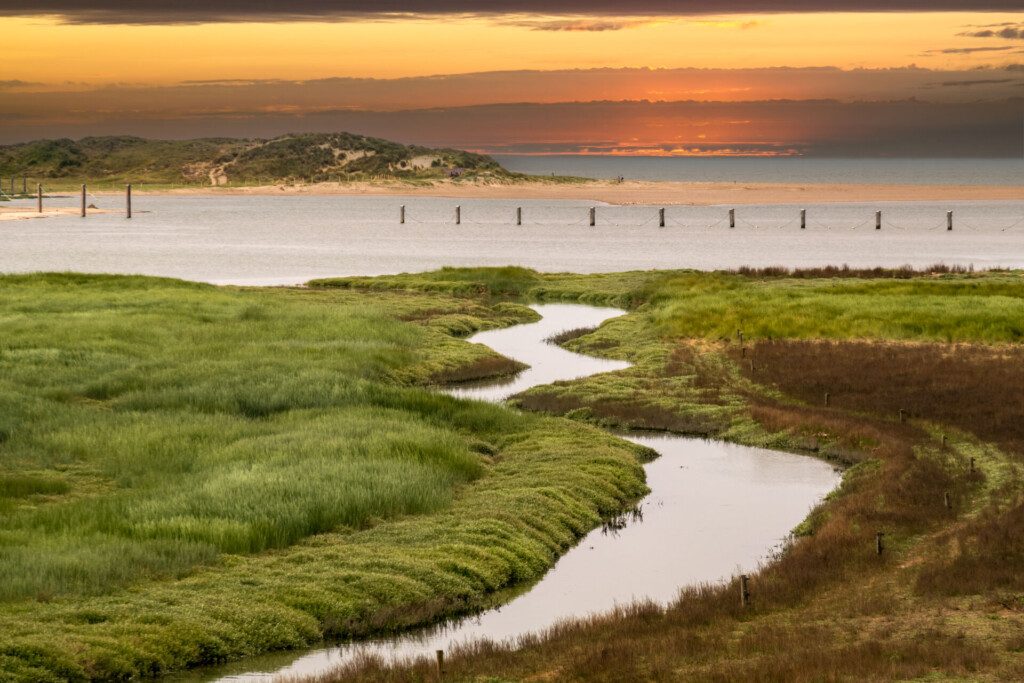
<point x="299" y="158"/>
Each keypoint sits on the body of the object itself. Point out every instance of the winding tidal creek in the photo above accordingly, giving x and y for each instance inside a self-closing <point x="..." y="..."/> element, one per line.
<point x="715" y="510"/>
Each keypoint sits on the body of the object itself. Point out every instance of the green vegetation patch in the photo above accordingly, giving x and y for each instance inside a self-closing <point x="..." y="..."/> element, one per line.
<point x="605" y="289"/>
<point x="190" y="474"/>
<point x="308" y="157"/>
<point x="986" y="308"/>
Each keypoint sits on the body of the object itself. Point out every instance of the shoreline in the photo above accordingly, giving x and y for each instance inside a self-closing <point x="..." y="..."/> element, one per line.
<point x="671" y="193"/>
<point x="22" y="213"/>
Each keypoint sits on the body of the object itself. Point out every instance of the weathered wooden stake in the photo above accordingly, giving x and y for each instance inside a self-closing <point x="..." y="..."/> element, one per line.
<point x="803" y="219"/>
<point x="972" y="465"/>
<point x="903" y="416"/>
<point x="128" y="200"/>
<point x="458" y="215"/>
<point x="943" y="440"/>
<point x="732" y="218"/>
<point x="661" y="218"/>
<point x="440" y="664"/>
<point x="879" y="544"/>
<point x="828" y="398"/>
<point x="744" y="591"/>
<point x="946" y="501"/>
<point x="401" y="215"/>
<point x="12" y="186"/>
<point x="743" y="352"/>
<point x="24" y="185"/>
<point x="878" y="220"/>
<point x="593" y="216"/>
<point x="949" y="220"/>
<point x="83" y="201"/>
<point x="39" y="197"/>
<point x="519" y="215"/>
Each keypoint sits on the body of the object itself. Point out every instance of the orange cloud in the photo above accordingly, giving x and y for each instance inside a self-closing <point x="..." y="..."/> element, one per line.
<point x="584" y="24"/>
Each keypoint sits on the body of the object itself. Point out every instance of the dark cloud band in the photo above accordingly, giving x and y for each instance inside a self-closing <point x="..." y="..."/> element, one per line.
<point x="193" y="11"/>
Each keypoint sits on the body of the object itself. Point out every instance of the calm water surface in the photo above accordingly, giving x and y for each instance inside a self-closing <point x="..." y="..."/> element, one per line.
<point x="289" y="240"/>
<point x="714" y="510"/>
<point x="548" y="363"/>
<point x="776" y="170"/>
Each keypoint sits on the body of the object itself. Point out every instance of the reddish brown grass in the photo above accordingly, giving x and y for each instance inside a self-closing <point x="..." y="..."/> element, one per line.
<point x="979" y="389"/>
<point x="844" y="271"/>
<point x="988" y="555"/>
<point x="569" y="335"/>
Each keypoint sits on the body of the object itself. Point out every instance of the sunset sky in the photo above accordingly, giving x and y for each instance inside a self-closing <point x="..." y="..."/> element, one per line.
<point x="528" y="77"/>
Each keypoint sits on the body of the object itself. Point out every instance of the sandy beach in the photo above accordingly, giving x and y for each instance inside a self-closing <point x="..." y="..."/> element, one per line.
<point x="20" y="213"/>
<point x="663" y="193"/>
<point x="642" y="192"/>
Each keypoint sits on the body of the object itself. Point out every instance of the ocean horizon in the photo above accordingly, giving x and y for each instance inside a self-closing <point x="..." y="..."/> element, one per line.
<point x="892" y="171"/>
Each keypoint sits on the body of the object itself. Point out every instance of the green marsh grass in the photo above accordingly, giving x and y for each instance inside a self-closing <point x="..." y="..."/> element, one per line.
<point x="947" y="308"/>
<point x="191" y="473"/>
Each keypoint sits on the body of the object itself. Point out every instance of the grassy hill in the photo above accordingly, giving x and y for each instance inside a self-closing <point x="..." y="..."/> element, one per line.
<point x="317" y="157"/>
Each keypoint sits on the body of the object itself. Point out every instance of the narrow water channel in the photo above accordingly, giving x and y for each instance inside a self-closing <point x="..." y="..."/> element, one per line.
<point x="715" y="509"/>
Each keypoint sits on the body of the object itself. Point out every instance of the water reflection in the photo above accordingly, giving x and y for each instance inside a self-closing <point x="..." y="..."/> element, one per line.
<point x="547" y="362"/>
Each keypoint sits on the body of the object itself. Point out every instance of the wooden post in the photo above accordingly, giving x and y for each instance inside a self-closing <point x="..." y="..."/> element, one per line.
<point x="458" y="215"/>
<point x="519" y="215"/>
<point x="827" y="399"/>
<point x="83" y="201"/>
<point x="879" y="544"/>
<point x="739" y="336"/>
<point x="972" y="465"/>
<point x="946" y="501"/>
<point x="743" y="352"/>
<point x="401" y="215"/>
<point x="878" y="220"/>
<point x="440" y="664"/>
<point x="593" y="216"/>
<point x="661" y="218"/>
<point x="24" y="185"/>
<point x="744" y="591"/>
<point x="39" y="197"/>
<point x="803" y="219"/>
<point x="732" y="218"/>
<point x="903" y="416"/>
<point x="12" y="185"/>
<point x="949" y="220"/>
<point x="128" y="200"/>
<point x="943" y="440"/>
